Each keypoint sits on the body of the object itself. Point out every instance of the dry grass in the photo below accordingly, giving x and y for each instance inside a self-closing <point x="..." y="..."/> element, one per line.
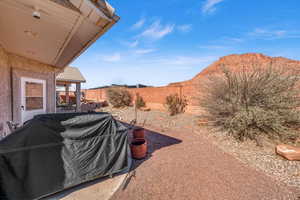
<point x="118" y="97"/>
<point x="254" y="102"/>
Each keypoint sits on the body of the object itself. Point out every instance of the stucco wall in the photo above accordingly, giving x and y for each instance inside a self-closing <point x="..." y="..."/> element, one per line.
<point x="22" y="67"/>
<point x="5" y="92"/>
<point x="15" y="67"/>
<point x="155" y="97"/>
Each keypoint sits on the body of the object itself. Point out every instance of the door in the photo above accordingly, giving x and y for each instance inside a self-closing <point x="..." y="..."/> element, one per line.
<point x="33" y="98"/>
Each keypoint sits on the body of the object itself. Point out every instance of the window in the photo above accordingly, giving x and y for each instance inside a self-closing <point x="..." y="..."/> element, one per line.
<point x="34" y="96"/>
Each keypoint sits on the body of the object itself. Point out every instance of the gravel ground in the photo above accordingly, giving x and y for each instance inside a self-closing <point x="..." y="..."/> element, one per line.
<point x="182" y="164"/>
<point x="248" y="152"/>
<point x="263" y="158"/>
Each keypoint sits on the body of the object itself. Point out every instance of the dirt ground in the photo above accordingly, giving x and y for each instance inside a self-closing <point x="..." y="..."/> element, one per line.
<point x="260" y="158"/>
<point x="186" y="161"/>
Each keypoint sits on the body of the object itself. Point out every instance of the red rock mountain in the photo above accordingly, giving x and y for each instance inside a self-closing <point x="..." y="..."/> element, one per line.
<point x="237" y="61"/>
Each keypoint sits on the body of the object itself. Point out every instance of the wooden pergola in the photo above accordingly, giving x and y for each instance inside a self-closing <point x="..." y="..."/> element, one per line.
<point x="71" y="75"/>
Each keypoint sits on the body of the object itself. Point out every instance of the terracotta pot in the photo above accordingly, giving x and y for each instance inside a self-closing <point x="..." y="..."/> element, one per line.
<point x="138" y="148"/>
<point x="139" y="133"/>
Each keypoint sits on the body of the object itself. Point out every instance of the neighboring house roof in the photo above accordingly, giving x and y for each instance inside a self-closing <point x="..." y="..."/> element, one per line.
<point x="124" y="86"/>
<point x="71" y="74"/>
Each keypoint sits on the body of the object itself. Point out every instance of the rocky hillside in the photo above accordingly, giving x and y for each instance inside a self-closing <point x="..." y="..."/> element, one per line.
<point x="238" y="61"/>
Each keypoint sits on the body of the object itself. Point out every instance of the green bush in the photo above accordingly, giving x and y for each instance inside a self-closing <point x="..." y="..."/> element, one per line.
<point x="139" y="102"/>
<point x="118" y="97"/>
<point x="175" y="104"/>
<point x="254" y="102"/>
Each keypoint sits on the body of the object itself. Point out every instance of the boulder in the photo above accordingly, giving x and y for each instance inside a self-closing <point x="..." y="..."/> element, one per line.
<point x="288" y="152"/>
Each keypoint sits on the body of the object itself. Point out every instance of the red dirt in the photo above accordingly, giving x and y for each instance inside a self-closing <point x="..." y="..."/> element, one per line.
<point x="183" y="165"/>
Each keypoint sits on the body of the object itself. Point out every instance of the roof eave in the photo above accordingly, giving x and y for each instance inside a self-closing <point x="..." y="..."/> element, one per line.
<point x="114" y="20"/>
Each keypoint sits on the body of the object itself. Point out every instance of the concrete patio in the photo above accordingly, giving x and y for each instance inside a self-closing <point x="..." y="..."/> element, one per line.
<point x="100" y="189"/>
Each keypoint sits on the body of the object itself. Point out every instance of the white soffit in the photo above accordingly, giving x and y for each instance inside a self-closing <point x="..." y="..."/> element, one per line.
<point x="38" y="39"/>
<point x="58" y="37"/>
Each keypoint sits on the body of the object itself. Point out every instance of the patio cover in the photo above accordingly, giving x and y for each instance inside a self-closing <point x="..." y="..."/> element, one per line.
<point x="70" y="75"/>
<point x="53" y="152"/>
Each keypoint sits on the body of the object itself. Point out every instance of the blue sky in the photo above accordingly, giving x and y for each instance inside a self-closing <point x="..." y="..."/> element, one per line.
<point x="161" y="41"/>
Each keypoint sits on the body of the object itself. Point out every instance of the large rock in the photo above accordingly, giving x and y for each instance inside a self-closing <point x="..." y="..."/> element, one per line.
<point x="289" y="152"/>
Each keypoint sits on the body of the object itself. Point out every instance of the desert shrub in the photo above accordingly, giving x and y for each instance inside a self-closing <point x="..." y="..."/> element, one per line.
<point x="139" y="102"/>
<point x="254" y="102"/>
<point x="175" y="104"/>
<point x="118" y="97"/>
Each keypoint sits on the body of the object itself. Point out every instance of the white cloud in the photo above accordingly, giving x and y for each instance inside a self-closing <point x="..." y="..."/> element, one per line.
<point x="185" y="28"/>
<point x="273" y="34"/>
<point x="213" y="47"/>
<point x="157" y="30"/>
<point x="234" y="39"/>
<point x="138" y="24"/>
<point x="152" y="69"/>
<point x="268" y="34"/>
<point x="133" y="44"/>
<point x="187" y="60"/>
<point x="144" y="51"/>
<point x="111" y="58"/>
<point x="209" y="6"/>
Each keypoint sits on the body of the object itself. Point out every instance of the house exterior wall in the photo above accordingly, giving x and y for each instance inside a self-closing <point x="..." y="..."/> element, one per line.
<point x="12" y="68"/>
<point x="5" y="92"/>
<point x="23" y="67"/>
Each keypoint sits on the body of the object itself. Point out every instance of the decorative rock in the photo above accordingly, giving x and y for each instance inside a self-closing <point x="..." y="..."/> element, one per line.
<point x="145" y="109"/>
<point x="288" y="152"/>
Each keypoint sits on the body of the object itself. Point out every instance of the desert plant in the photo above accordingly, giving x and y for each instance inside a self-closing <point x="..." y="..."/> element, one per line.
<point x="118" y="97"/>
<point x="139" y="102"/>
<point x="254" y="102"/>
<point x="175" y="104"/>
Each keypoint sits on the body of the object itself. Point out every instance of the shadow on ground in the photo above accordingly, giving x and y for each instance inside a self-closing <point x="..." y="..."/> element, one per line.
<point x="155" y="142"/>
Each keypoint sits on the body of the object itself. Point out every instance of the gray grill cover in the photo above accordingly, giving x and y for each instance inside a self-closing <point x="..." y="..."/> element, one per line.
<point x="53" y="152"/>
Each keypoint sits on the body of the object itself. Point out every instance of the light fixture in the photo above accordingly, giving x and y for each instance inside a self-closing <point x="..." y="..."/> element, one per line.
<point x="36" y="13"/>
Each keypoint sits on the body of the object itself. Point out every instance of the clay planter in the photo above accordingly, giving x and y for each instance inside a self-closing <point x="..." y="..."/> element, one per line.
<point x="138" y="148"/>
<point x="139" y="133"/>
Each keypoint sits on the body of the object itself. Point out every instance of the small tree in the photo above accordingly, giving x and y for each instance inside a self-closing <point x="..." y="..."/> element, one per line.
<point x="118" y="97"/>
<point x="140" y="103"/>
<point x="175" y="104"/>
<point x="253" y="102"/>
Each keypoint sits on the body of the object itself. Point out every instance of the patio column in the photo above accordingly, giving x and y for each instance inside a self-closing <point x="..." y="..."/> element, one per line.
<point x="67" y="94"/>
<point x="78" y="96"/>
